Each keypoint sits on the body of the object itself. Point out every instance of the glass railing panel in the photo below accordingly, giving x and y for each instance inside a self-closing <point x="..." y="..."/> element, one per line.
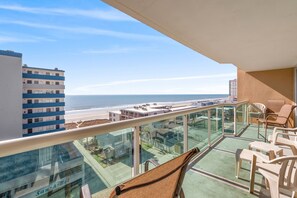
<point x="110" y="155"/>
<point x="198" y="130"/>
<point x="161" y="141"/>
<point x="216" y="124"/>
<point x="254" y="113"/>
<point x="60" y="171"/>
<point x="229" y="119"/>
<point x="240" y="118"/>
<point x="56" y="171"/>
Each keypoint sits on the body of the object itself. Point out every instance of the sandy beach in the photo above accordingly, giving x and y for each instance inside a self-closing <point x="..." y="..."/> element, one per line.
<point x="88" y="114"/>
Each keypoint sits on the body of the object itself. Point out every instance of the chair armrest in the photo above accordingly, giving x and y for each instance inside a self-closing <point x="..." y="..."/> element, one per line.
<point x="147" y="162"/>
<point x="271" y="115"/>
<point x="258" y="156"/>
<point x="275" y="134"/>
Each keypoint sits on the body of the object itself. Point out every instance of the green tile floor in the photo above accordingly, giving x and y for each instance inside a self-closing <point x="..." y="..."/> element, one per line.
<point x="219" y="161"/>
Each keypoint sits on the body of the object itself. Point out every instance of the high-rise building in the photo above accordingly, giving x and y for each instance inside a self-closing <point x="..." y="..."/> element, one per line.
<point x="43" y="100"/>
<point x="32" y="99"/>
<point x="11" y="94"/>
<point x="233" y="89"/>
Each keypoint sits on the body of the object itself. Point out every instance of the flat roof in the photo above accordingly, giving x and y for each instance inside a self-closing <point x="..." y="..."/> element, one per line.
<point x="141" y="110"/>
<point x="58" y="70"/>
<point x="10" y="53"/>
<point x="116" y="112"/>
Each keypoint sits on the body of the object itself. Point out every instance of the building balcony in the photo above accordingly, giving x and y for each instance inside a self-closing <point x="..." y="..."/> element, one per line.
<point x="44" y="77"/>
<point x="43" y="86"/>
<point x="43" y="114"/>
<point x="109" y="158"/>
<point x="48" y="104"/>
<point x="41" y="124"/>
<point x="45" y="95"/>
<point x="43" y="132"/>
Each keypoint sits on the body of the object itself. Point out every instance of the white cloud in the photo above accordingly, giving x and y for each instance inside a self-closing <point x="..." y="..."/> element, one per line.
<point x="115" y="50"/>
<point x="89" y="88"/>
<point x="111" y="15"/>
<point x="10" y="39"/>
<point x="85" y="30"/>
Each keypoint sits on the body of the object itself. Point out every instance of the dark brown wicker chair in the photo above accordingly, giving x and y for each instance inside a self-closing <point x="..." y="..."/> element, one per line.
<point x="163" y="181"/>
<point x="281" y="119"/>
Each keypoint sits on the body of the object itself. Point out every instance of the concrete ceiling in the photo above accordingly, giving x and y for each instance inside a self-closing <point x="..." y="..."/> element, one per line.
<point x="254" y="35"/>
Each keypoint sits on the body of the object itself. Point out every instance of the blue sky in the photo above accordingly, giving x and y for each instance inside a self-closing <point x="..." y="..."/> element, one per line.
<point x="104" y="51"/>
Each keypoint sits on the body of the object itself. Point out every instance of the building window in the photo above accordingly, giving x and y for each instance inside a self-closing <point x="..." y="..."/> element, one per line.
<point x="47" y="82"/>
<point x="48" y="109"/>
<point x="29" y="101"/>
<point x="57" y="117"/>
<point x="29" y="91"/>
<point x="57" y="83"/>
<point x="36" y="120"/>
<point x="57" y="100"/>
<point x="29" y="72"/>
<point x="30" y="111"/>
<point x="29" y="121"/>
<point x="57" y="74"/>
<point x="29" y="81"/>
<point x="36" y="82"/>
<point x="57" y="126"/>
<point x="36" y="101"/>
<point x="47" y="73"/>
<point x="57" y="91"/>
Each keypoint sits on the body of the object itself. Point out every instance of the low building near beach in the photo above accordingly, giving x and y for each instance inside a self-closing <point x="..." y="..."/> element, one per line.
<point x="114" y="116"/>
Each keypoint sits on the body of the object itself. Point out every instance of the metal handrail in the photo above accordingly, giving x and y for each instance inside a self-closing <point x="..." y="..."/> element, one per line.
<point x="19" y="145"/>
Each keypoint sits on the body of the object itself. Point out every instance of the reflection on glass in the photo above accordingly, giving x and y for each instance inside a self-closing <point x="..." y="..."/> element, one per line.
<point x="216" y="124"/>
<point x="161" y="140"/>
<point x="229" y="119"/>
<point x="198" y="130"/>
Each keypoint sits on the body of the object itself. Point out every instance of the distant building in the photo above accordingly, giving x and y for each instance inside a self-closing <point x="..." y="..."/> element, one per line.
<point x="114" y="116"/>
<point x="142" y="111"/>
<point x="233" y="90"/>
<point x="43" y="100"/>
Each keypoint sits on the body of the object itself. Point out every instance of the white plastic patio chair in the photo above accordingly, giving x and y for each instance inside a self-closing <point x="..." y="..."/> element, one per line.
<point x="279" y="173"/>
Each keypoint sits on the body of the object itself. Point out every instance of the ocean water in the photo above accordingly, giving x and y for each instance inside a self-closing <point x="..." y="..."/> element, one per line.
<point x="82" y="102"/>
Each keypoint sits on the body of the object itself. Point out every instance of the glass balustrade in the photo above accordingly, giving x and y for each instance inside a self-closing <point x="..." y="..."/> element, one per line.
<point x="109" y="158"/>
<point x="161" y="140"/>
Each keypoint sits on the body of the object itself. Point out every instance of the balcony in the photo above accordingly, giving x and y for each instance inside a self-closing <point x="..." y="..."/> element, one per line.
<point x="47" y="104"/>
<point x="41" y="124"/>
<point x="43" y="86"/>
<point x="43" y="114"/>
<point x="44" y="95"/>
<point x="45" y="77"/>
<point x="43" y="132"/>
<point x="108" y="154"/>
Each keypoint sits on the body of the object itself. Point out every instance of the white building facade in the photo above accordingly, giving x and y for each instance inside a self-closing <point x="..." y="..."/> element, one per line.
<point x="11" y="94"/>
<point x="233" y="90"/>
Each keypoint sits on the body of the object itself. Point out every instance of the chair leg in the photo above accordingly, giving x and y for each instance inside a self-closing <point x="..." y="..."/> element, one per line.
<point x="238" y="167"/>
<point x="266" y="184"/>
<point x="265" y="135"/>
<point x="294" y="194"/>
<point x="252" y="174"/>
<point x="274" y="188"/>
<point x="258" y="129"/>
<point x="181" y="194"/>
